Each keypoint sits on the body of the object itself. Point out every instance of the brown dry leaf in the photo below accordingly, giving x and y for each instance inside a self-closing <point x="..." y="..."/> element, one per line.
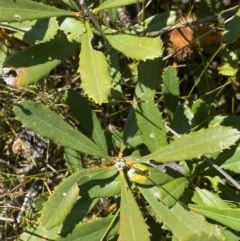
<point x="180" y="38"/>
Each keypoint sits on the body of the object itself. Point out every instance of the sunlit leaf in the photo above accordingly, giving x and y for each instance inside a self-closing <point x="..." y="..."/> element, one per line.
<point x="31" y="64"/>
<point x="35" y="31"/>
<point x="230" y="217"/>
<point x="210" y="199"/>
<point x="132" y="224"/>
<point x="150" y="176"/>
<point x="170" y="192"/>
<point x="66" y="195"/>
<point x="180" y="221"/>
<point x="38" y="233"/>
<point x="196" y="144"/>
<point x="94" y="70"/>
<point x="139" y="48"/>
<point x="229" y="62"/>
<point x="73" y="28"/>
<point x="21" y="10"/>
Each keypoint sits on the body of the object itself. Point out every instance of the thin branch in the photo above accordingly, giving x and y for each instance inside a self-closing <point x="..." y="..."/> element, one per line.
<point x="227" y="14"/>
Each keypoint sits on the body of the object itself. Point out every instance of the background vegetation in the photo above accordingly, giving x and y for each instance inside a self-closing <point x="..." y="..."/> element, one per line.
<point x="119" y="120"/>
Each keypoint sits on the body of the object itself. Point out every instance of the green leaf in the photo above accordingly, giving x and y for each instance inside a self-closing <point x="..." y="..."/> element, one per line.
<point x="72" y="160"/>
<point x="183" y="119"/>
<point x="150" y="176"/>
<point x="115" y="3"/>
<point x="170" y="90"/>
<point x="203" y="236"/>
<point x="87" y="117"/>
<point x="113" y="60"/>
<point x="181" y="222"/>
<point x="200" y="111"/>
<point x="170" y="192"/>
<point x="149" y="73"/>
<point x="150" y="123"/>
<point x="153" y="23"/>
<point x="93" y="231"/>
<point x="229" y="62"/>
<point x="231" y="235"/>
<point x="139" y="48"/>
<point x="210" y="199"/>
<point x="2" y="59"/>
<point x="70" y="3"/>
<point x="45" y="122"/>
<point x="73" y="28"/>
<point x="80" y="210"/>
<point x="65" y="195"/>
<point x="232" y="31"/>
<point x="196" y="144"/>
<point x="36" y="31"/>
<point x="232" y="121"/>
<point x="94" y="70"/>
<point x="100" y="188"/>
<point x="230" y="160"/>
<point x="130" y="127"/>
<point x="135" y="141"/>
<point x="132" y="224"/>
<point x="21" y="10"/>
<point x="38" y="233"/>
<point x="229" y="217"/>
<point x="226" y="192"/>
<point x="35" y="62"/>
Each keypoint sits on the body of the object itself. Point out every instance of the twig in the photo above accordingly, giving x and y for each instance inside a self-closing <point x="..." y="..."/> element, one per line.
<point x="95" y="21"/>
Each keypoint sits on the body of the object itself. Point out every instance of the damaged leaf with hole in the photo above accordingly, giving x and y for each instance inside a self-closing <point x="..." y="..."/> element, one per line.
<point x="30" y="65"/>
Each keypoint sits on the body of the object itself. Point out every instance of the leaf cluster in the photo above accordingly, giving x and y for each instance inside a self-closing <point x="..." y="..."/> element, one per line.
<point x="159" y="173"/>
